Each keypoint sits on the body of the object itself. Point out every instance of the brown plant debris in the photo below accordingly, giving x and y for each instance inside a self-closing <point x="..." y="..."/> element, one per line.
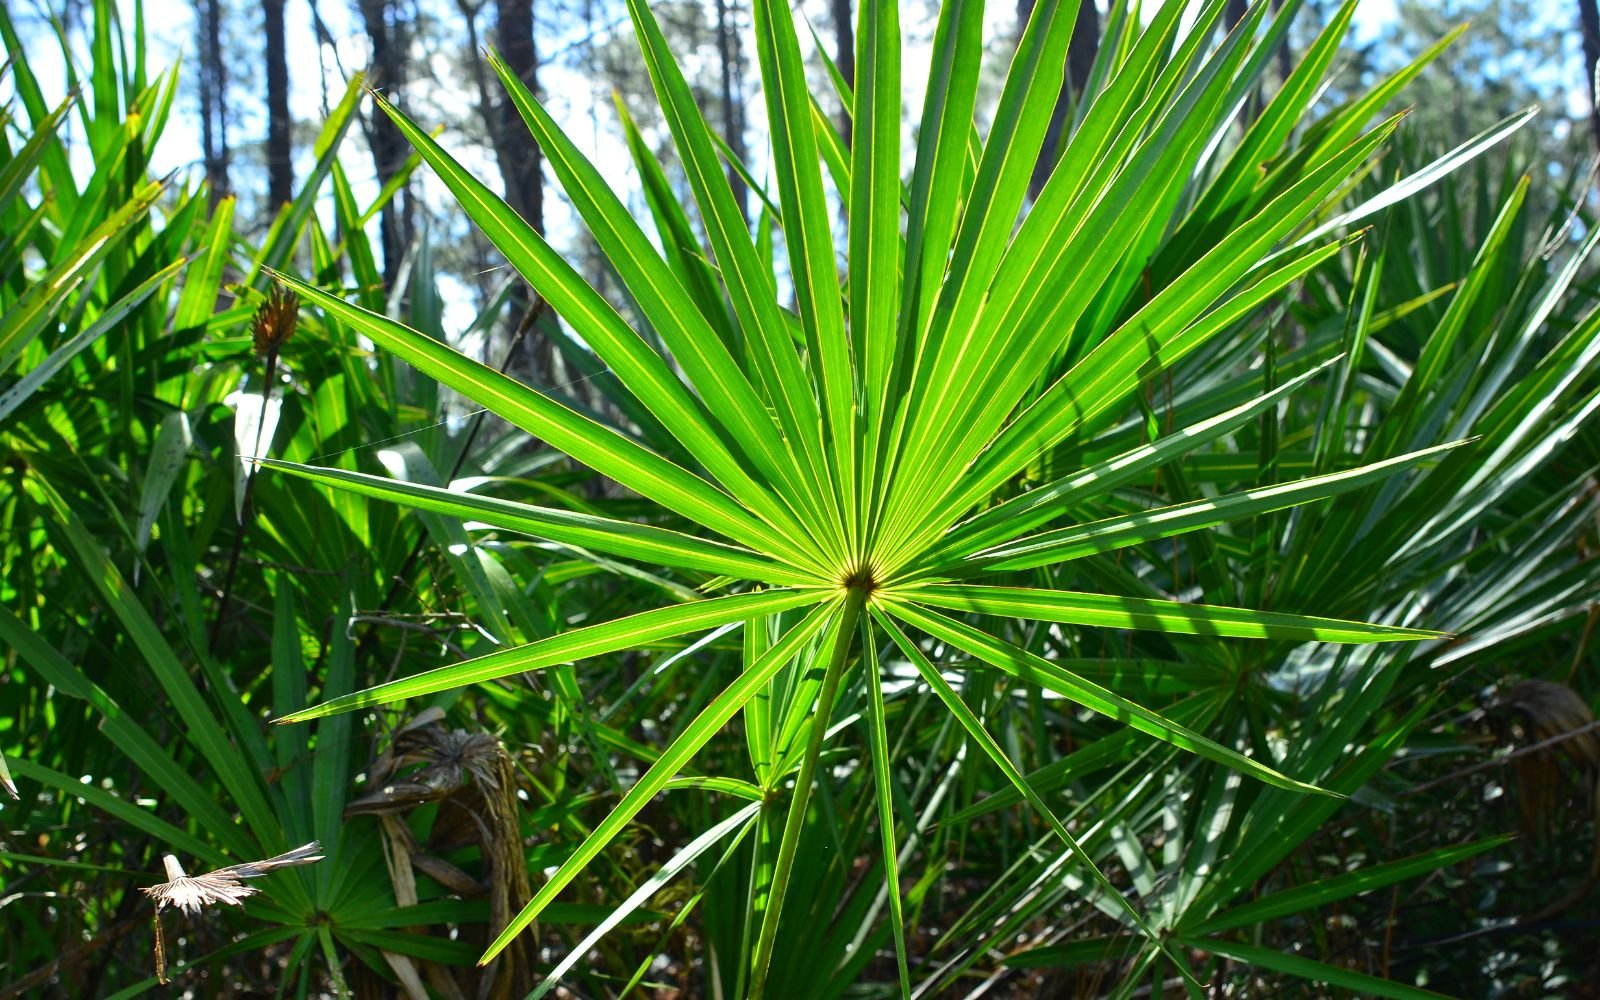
<point x="193" y="893"/>
<point x="1558" y="767"/>
<point x="474" y="780"/>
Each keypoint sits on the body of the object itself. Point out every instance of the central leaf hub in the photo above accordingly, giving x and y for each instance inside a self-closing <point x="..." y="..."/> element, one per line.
<point x="860" y="577"/>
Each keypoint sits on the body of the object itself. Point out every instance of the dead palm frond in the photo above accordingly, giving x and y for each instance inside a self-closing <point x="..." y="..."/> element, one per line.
<point x="470" y="771"/>
<point x="193" y="893"/>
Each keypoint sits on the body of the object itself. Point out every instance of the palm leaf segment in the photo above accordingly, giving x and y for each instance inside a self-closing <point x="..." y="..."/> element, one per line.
<point x="842" y="457"/>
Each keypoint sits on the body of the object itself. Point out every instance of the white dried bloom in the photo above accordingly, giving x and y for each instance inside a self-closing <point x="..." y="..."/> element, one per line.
<point x="192" y="893"/>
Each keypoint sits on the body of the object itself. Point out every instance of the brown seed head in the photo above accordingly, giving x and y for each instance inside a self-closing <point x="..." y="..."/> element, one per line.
<point x="274" y="321"/>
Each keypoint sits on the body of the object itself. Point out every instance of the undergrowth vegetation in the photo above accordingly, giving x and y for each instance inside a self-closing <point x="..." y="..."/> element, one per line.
<point x="926" y="588"/>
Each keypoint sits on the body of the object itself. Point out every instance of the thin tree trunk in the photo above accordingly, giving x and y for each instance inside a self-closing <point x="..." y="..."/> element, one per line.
<point x="732" y="100"/>
<point x="1589" y="22"/>
<point x="280" y="156"/>
<point x="208" y="138"/>
<point x="520" y="161"/>
<point x="389" y="146"/>
<point x="1081" y="52"/>
<point x="326" y="43"/>
<point x="1084" y="47"/>
<point x="1233" y="13"/>
<point x="522" y="167"/>
<point x="845" y="55"/>
<point x="489" y="114"/>
<point x="480" y="76"/>
<point x="1285" y="54"/>
<point x="213" y="99"/>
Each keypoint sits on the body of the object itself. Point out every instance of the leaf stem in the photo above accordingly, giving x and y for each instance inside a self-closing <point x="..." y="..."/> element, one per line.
<point x="838" y="656"/>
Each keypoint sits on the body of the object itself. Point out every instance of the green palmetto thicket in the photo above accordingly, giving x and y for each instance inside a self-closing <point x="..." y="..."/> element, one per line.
<point x="938" y="583"/>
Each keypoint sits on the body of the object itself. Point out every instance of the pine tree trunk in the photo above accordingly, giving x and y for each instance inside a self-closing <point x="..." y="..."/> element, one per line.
<point x="1081" y="52"/>
<point x="1083" y="48"/>
<point x="522" y="167"/>
<point x="480" y="78"/>
<point x="1285" y="54"/>
<point x="845" y="55"/>
<point x="213" y="99"/>
<point x="520" y="160"/>
<point x="732" y="100"/>
<point x="1589" y="23"/>
<point x="1233" y="13"/>
<point x="280" y="155"/>
<point x="389" y="146"/>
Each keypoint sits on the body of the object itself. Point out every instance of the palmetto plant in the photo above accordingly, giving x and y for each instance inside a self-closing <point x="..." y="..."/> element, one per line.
<point x="860" y="472"/>
<point x="117" y="363"/>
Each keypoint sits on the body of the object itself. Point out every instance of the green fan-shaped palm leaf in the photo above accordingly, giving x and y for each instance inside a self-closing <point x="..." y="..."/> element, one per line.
<point x="845" y="458"/>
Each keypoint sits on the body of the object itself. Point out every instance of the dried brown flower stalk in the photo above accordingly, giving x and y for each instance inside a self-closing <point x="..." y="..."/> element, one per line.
<point x="270" y="328"/>
<point x="274" y="321"/>
<point x="193" y="893"/>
